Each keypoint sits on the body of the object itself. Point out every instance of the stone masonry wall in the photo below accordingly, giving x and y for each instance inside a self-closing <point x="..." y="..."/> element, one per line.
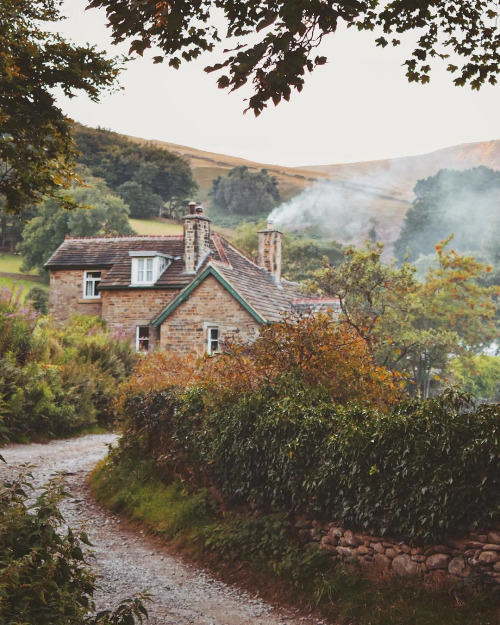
<point x="476" y="556"/>
<point x="124" y="309"/>
<point x="185" y="330"/>
<point x="66" y="295"/>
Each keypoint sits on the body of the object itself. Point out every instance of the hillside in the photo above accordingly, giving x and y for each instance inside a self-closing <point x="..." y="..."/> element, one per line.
<point x="344" y="201"/>
<point x="399" y="175"/>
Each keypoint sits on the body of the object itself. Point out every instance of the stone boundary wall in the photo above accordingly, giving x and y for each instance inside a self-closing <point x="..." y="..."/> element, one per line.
<point x="476" y="556"/>
<point x="21" y="276"/>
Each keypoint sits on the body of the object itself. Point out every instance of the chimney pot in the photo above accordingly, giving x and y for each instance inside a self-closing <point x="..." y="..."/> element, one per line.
<point x="199" y="210"/>
<point x="270" y="224"/>
<point x="192" y="208"/>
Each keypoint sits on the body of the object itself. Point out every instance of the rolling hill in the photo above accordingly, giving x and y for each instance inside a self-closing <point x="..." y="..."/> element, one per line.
<point x="351" y="198"/>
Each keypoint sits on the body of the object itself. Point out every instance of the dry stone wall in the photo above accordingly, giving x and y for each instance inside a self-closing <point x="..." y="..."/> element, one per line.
<point x="476" y="556"/>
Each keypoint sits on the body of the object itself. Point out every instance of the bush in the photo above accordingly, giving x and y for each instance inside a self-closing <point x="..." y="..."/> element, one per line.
<point x="56" y="381"/>
<point x="39" y="299"/>
<point x="423" y="471"/>
<point x="44" y="576"/>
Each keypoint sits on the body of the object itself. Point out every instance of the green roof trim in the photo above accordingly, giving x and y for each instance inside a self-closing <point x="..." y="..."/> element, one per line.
<point x="209" y="271"/>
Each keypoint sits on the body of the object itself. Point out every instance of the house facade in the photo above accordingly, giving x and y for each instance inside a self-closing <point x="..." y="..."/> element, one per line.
<point x="187" y="293"/>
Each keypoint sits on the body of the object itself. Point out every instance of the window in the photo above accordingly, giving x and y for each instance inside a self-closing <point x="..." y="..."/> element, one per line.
<point x="91" y="281"/>
<point x="142" y="338"/>
<point x="212" y="340"/>
<point x="147" y="269"/>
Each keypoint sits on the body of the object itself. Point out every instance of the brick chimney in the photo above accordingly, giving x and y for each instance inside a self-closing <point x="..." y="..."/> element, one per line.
<point x="196" y="238"/>
<point x="270" y="251"/>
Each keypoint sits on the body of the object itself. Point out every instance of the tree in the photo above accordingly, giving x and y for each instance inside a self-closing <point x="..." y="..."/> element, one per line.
<point x="151" y="180"/>
<point x="302" y="257"/>
<point x="277" y="39"/>
<point x="99" y="213"/>
<point x="479" y="375"/>
<point x="143" y="202"/>
<point x="410" y="326"/>
<point x="443" y="205"/>
<point x="11" y="226"/>
<point x="243" y="192"/>
<point x="36" y="148"/>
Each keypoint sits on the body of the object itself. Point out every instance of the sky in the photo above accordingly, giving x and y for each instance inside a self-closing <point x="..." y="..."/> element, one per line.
<point x="357" y="107"/>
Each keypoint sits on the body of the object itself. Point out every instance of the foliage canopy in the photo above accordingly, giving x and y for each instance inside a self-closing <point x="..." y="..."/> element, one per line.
<point x="302" y="256"/>
<point x="414" y="326"/>
<point x="152" y="181"/>
<point x="276" y="41"/>
<point x="97" y="212"/>
<point x="36" y="149"/>
<point x="443" y="205"/>
<point x="243" y="192"/>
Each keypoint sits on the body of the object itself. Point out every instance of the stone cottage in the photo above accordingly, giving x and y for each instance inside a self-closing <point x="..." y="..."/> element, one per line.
<point x="187" y="293"/>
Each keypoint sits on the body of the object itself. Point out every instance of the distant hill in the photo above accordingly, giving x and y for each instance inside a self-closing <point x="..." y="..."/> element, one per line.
<point x="399" y="175"/>
<point x="375" y="193"/>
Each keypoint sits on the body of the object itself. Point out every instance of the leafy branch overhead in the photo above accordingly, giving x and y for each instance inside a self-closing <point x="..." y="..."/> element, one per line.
<point x="277" y="40"/>
<point x="36" y="148"/>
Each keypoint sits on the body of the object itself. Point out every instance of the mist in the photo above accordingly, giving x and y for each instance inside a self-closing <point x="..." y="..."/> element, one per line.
<point x="378" y="205"/>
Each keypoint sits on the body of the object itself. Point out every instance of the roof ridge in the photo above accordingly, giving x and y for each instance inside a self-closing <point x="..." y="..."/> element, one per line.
<point x="119" y="237"/>
<point x="216" y="238"/>
<point x="242" y="254"/>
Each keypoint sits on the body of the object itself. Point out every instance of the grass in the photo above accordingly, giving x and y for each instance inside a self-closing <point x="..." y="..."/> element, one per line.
<point x="146" y="227"/>
<point x="14" y="283"/>
<point x="11" y="263"/>
<point x="265" y="553"/>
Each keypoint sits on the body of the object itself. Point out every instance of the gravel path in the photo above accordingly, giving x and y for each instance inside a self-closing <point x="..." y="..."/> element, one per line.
<point x="128" y="562"/>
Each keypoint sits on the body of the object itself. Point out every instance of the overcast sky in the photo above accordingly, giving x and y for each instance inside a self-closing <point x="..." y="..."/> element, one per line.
<point x="357" y="107"/>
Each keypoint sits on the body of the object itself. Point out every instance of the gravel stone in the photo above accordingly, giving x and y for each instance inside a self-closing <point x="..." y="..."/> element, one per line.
<point x="126" y="560"/>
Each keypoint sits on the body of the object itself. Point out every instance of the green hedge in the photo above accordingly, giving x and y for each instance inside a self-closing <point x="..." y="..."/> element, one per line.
<point x="56" y="380"/>
<point x="429" y="469"/>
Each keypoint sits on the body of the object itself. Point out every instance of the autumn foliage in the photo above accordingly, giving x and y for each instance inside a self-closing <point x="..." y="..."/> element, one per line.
<point x="299" y="352"/>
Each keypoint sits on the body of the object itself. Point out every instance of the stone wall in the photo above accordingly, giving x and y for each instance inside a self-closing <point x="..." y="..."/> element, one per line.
<point x="210" y="304"/>
<point x="124" y="309"/>
<point x="476" y="556"/>
<point x="66" y="295"/>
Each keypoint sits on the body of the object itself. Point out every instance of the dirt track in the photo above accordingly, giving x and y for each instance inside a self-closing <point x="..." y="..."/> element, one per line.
<point x="128" y="562"/>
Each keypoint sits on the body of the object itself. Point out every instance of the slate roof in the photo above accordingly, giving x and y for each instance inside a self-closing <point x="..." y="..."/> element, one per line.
<point x="253" y="284"/>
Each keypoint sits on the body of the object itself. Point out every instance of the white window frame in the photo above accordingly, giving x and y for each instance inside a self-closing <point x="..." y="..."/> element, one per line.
<point x="92" y="280"/>
<point x="210" y="340"/>
<point x="147" y="268"/>
<point x="137" y="340"/>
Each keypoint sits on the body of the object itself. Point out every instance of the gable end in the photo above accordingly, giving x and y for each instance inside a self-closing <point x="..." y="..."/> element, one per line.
<point x="209" y="271"/>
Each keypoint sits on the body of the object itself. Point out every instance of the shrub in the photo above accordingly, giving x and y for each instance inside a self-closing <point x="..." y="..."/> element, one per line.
<point x="425" y="470"/>
<point x="55" y="381"/>
<point x="44" y="576"/>
<point x="39" y="299"/>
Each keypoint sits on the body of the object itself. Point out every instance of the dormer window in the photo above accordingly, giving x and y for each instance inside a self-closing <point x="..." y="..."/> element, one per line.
<point x="147" y="267"/>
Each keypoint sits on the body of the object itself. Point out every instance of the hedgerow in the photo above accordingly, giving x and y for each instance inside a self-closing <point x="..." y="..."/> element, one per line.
<point x="424" y="470"/>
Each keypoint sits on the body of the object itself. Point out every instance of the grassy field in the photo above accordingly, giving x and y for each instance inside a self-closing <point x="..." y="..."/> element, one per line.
<point x="11" y="263"/>
<point x="26" y="285"/>
<point x="144" y="226"/>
